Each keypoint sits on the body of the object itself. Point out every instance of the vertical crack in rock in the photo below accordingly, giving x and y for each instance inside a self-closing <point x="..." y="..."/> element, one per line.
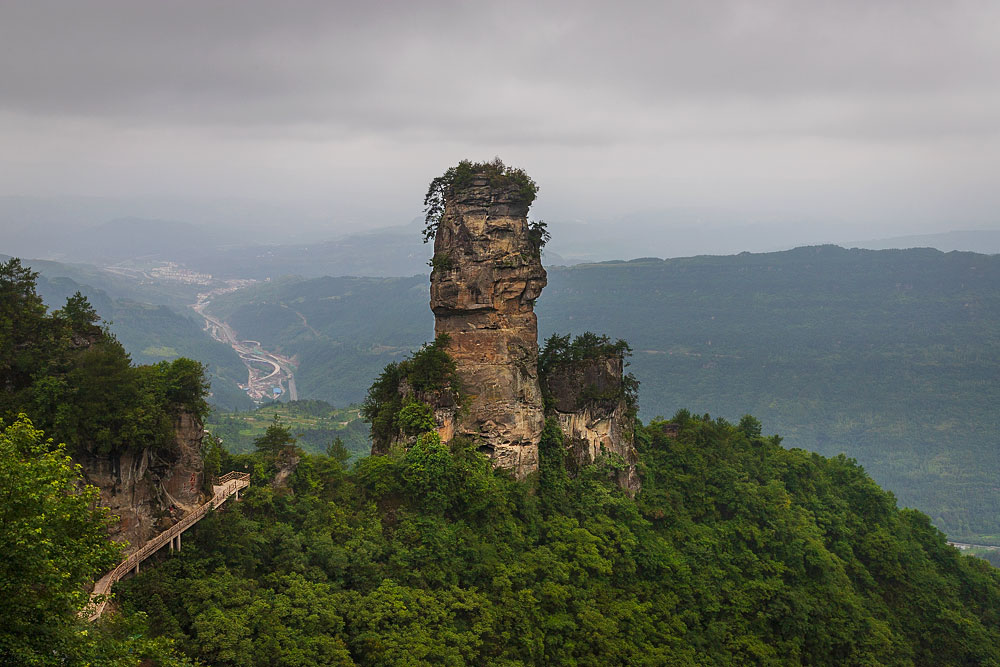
<point x="487" y="274"/>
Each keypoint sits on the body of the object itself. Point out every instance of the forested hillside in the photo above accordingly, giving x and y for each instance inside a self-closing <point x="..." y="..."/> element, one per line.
<point x="889" y="356"/>
<point x="736" y="552"/>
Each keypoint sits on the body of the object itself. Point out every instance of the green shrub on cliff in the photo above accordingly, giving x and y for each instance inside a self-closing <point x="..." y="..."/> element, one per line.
<point x="391" y="413"/>
<point x="459" y="177"/>
<point x="561" y="352"/>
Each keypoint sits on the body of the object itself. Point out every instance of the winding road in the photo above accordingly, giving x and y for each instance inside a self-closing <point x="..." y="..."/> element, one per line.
<point x="265" y="370"/>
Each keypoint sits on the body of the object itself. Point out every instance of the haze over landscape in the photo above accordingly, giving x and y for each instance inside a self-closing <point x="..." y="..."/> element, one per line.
<point x="783" y="123"/>
<point x="746" y="219"/>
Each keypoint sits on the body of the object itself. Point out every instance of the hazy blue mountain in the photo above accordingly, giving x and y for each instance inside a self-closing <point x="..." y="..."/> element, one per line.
<point x="241" y="239"/>
<point x="391" y="251"/>
<point x="144" y="239"/>
<point x="51" y="227"/>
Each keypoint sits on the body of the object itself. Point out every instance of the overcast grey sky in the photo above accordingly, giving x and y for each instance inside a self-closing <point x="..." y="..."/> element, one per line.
<point x="876" y="115"/>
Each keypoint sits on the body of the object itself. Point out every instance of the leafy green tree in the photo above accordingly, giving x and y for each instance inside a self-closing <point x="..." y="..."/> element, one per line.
<point x="383" y="402"/>
<point x="750" y="426"/>
<point x="80" y="316"/>
<point x="54" y="541"/>
<point x="186" y="385"/>
<point x="415" y="418"/>
<point x="337" y="451"/>
<point x="23" y="327"/>
<point x="212" y="454"/>
<point x="275" y="439"/>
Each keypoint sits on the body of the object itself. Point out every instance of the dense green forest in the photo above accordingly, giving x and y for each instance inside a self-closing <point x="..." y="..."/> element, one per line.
<point x="75" y="380"/>
<point x="892" y="357"/>
<point x="737" y="551"/>
<point x="62" y="372"/>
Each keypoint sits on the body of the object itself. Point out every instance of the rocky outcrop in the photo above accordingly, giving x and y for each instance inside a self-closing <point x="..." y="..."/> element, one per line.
<point x="487" y="273"/>
<point x="288" y="460"/>
<point x="142" y="485"/>
<point x="588" y="399"/>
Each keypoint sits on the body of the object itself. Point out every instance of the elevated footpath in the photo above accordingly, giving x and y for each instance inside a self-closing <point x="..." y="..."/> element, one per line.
<point x="228" y="485"/>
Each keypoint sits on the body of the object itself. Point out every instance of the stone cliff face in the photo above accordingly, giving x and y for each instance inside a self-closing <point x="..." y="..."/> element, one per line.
<point x="487" y="275"/>
<point x="141" y="485"/>
<point x="595" y="419"/>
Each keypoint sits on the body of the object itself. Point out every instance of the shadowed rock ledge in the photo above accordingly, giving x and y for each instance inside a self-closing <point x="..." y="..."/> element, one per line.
<point x="595" y="416"/>
<point x="142" y="485"/>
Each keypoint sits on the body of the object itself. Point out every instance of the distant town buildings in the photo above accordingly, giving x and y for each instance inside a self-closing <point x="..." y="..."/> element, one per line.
<point x="171" y="271"/>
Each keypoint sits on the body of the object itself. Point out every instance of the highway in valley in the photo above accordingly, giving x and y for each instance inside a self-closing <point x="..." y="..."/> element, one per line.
<point x="265" y="370"/>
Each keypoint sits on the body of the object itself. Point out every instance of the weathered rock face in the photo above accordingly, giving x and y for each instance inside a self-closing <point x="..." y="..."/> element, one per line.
<point x="140" y="486"/>
<point x="287" y="462"/>
<point x="487" y="275"/>
<point x="595" y="419"/>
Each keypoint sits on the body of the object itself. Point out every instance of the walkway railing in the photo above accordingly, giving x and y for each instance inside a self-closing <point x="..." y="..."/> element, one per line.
<point x="227" y="485"/>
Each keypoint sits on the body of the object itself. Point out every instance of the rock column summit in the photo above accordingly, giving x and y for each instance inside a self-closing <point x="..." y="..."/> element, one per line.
<point x="487" y="274"/>
<point x="482" y="380"/>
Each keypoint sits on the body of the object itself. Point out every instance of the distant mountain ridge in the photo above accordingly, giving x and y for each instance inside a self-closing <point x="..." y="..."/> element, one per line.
<point x="141" y="238"/>
<point x="238" y="244"/>
<point x="986" y="241"/>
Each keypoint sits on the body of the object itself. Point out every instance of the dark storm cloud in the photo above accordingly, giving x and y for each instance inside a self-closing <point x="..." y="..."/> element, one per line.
<point x="814" y="103"/>
<point x="501" y="68"/>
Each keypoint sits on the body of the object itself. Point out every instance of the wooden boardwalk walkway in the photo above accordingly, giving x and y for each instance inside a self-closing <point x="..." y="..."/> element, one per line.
<point x="228" y="485"/>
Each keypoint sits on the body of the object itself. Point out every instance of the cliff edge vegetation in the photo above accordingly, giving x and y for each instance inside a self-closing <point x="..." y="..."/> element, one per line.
<point x="77" y="382"/>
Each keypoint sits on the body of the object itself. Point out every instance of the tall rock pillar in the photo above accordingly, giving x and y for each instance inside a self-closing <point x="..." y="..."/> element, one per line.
<point x="487" y="273"/>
